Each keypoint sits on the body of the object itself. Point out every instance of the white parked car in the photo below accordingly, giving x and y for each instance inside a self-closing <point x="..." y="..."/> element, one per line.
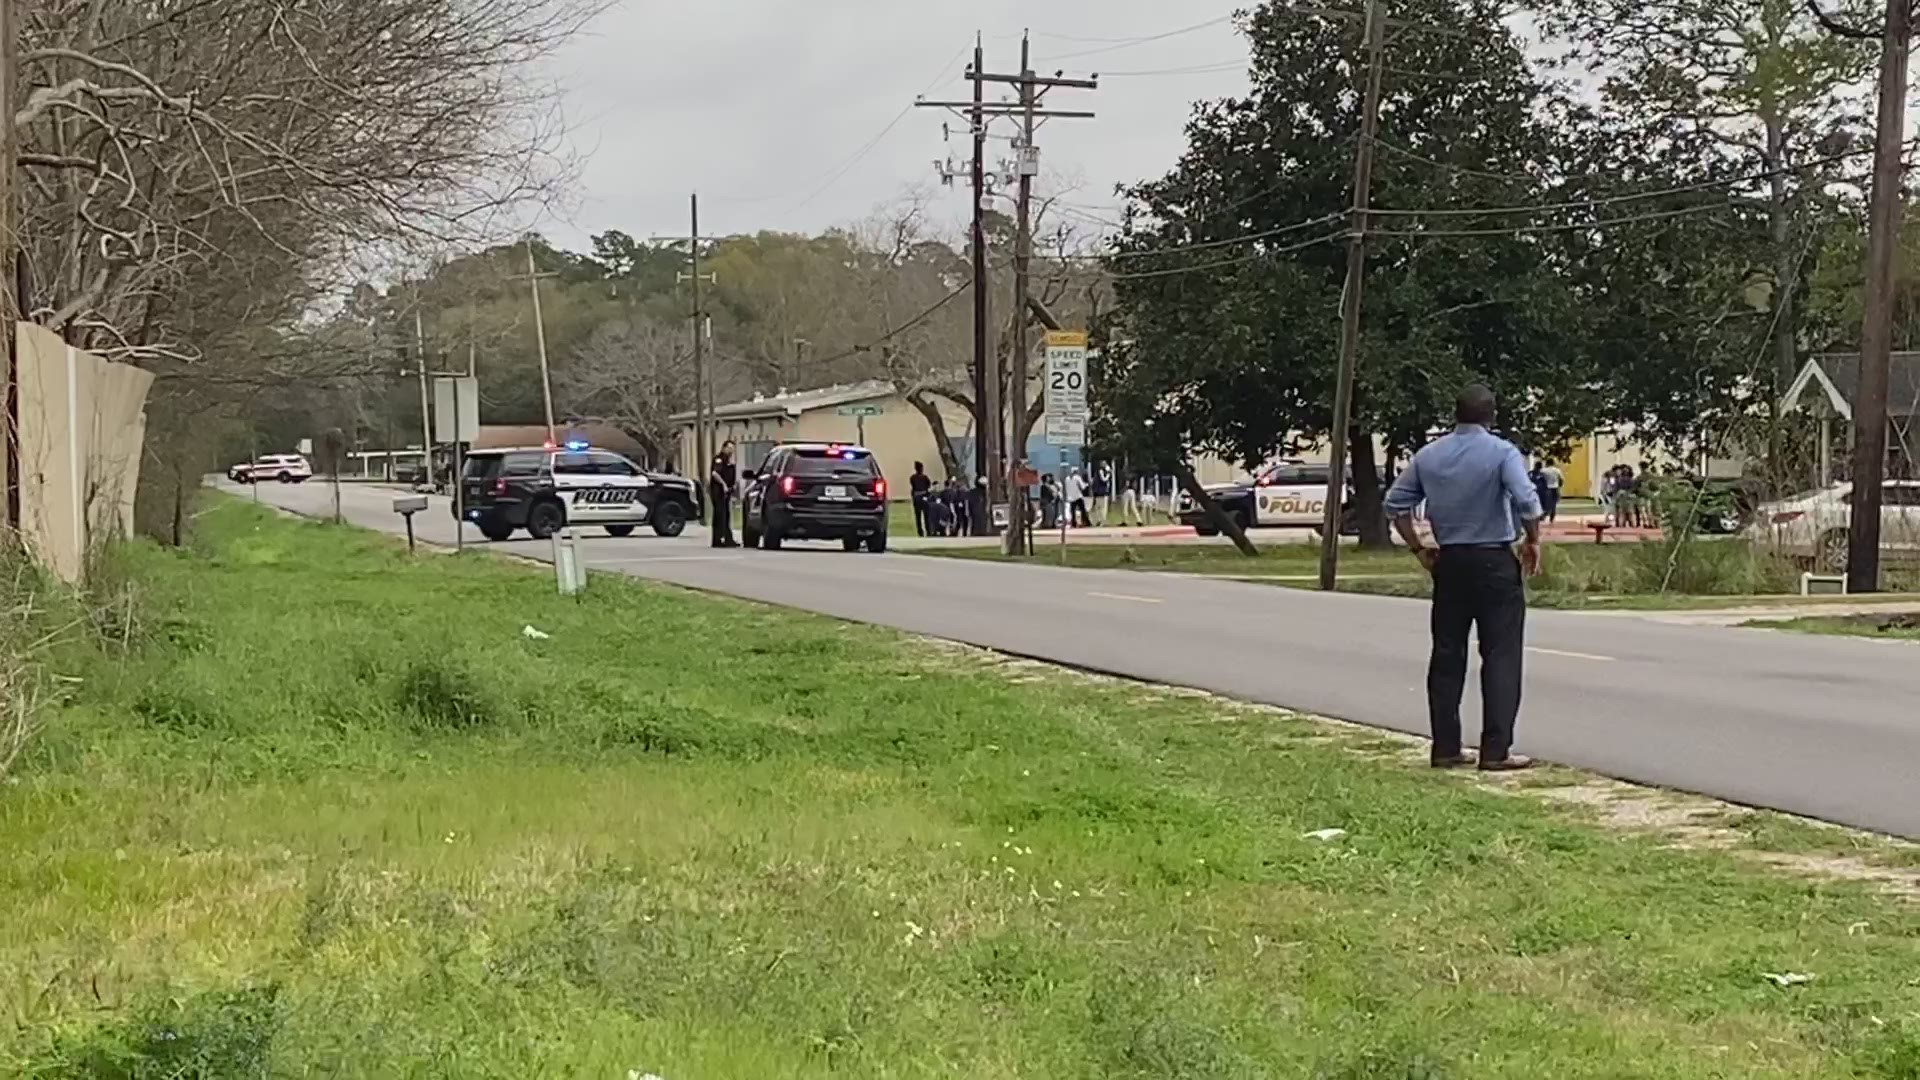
<point x="1815" y="525"/>
<point x="285" y="468"/>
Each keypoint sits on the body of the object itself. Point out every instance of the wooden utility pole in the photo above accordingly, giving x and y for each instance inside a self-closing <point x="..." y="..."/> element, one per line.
<point x="1876" y="331"/>
<point x="1375" y="45"/>
<point x="1027" y="166"/>
<point x="420" y="367"/>
<point x="995" y="417"/>
<point x="540" y="337"/>
<point x="702" y="329"/>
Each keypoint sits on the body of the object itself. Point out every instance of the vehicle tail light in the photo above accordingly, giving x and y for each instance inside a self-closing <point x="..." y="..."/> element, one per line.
<point x="879" y="489"/>
<point x="786" y="485"/>
<point x="1788" y="515"/>
<point x="500" y="485"/>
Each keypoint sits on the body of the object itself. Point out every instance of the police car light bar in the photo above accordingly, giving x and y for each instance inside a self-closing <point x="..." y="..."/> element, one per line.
<point x="577" y="444"/>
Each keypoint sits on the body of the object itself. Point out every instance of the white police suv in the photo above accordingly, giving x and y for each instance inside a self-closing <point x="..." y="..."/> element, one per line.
<point x="543" y="489"/>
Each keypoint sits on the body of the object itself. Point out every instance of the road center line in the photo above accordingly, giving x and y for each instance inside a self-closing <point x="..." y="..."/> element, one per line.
<point x="899" y="573"/>
<point x="1123" y="596"/>
<point x="1570" y="655"/>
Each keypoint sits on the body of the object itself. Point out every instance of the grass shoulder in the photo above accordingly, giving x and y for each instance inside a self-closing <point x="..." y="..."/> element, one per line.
<point x="332" y="811"/>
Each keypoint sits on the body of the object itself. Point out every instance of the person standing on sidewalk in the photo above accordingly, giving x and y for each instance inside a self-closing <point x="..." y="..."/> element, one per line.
<point x="922" y="487"/>
<point x="1077" y="501"/>
<point x="722" y="480"/>
<point x="1479" y="501"/>
<point x="1550" y="503"/>
<point x="1102" y="492"/>
<point x="1130" y="513"/>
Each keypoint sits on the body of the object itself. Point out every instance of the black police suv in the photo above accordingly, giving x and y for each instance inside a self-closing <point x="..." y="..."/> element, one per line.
<point x="542" y="489"/>
<point x="816" y="491"/>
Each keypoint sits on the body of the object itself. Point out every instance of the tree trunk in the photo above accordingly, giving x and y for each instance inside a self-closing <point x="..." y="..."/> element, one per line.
<point x="1191" y="485"/>
<point x="1368" y="498"/>
<point x="1786" y="270"/>
<point x="942" y="441"/>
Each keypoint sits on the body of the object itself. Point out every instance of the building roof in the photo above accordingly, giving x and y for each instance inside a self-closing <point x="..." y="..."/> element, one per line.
<point x="1839" y="377"/>
<point x="793" y="404"/>
<point x="520" y="436"/>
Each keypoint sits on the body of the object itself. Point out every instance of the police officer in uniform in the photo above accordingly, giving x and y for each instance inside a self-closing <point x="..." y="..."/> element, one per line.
<point x="720" y="485"/>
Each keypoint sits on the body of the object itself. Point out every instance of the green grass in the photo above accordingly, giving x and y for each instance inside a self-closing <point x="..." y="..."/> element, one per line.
<point x="1626" y="576"/>
<point x="331" y="813"/>
<point x="1898" y="627"/>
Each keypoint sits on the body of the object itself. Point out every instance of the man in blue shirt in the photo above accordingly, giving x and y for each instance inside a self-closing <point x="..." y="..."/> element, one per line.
<point x="1479" y="501"/>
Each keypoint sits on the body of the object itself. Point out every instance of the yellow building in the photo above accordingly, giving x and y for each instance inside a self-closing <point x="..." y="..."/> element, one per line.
<point x="873" y="414"/>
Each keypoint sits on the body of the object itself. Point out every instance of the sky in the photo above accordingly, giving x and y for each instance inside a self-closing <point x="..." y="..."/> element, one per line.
<point x="795" y="115"/>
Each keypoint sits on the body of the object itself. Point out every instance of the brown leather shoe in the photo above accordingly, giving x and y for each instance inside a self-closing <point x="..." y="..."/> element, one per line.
<point x="1455" y="761"/>
<point x="1510" y="763"/>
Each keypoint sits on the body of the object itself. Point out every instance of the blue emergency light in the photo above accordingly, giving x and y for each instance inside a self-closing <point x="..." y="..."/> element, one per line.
<point x="577" y="444"/>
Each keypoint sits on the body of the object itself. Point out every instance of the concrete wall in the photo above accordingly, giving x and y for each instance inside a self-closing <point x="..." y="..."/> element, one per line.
<point x="82" y="431"/>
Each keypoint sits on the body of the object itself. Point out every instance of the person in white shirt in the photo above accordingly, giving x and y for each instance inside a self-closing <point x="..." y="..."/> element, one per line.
<point x="1554" y="480"/>
<point x="1077" y="500"/>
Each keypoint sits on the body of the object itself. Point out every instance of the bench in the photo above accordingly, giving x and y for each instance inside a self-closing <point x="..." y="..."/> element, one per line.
<point x="1599" y="530"/>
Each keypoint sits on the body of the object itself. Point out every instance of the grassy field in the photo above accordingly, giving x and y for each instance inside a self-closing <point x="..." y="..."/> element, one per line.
<point x="323" y="810"/>
<point x="1708" y="573"/>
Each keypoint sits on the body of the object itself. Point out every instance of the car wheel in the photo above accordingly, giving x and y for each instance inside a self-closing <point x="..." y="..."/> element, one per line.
<point x="1206" y="530"/>
<point x="620" y="530"/>
<point x="749" y="536"/>
<point x="496" y="531"/>
<point x="545" y="519"/>
<point x="877" y="543"/>
<point x="1830" y="555"/>
<point x="669" y="520"/>
<point x="286" y="478"/>
<point x="770" y="541"/>
<point x="850" y="543"/>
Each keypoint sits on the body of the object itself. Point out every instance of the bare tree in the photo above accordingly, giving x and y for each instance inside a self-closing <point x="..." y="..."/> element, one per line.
<point x="199" y="175"/>
<point x="633" y="373"/>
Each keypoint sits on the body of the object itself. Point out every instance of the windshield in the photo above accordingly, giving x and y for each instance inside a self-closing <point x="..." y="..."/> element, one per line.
<point x="854" y="463"/>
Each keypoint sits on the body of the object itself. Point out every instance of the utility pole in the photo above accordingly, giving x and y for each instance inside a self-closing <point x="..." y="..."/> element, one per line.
<point x="991" y="450"/>
<point x="702" y="328"/>
<point x="420" y="368"/>
<point x="1375" y="45"/>
<point x="986" y="359"/>
<point x="540" y="336"/>
<point x="1876" y="331"/>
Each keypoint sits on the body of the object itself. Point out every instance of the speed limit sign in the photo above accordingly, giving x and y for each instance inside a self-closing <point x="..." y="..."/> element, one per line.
<point x="1066" y="388"/>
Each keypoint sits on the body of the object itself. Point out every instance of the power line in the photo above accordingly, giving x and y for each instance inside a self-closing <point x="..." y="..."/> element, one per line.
<point x="1240" y="260"/>
<point x="1563" y="227"/>
<point x="1228" y="241"/>
<point x="1131" y="42"/>
<point x="903" y="327"/>
<point x="1612" y="200"/>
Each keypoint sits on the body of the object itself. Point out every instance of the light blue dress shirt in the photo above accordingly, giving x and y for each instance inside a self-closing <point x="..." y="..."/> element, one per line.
<point x="1474" y="484"/>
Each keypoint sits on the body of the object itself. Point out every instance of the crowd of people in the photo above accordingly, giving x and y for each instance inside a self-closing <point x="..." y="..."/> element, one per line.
<point x="1078" y="498"/>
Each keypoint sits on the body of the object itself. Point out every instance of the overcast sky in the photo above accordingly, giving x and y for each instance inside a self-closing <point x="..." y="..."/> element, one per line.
<point x="764" y="106"/>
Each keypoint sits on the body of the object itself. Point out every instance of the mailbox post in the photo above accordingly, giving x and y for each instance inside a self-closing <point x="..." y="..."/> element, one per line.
<point x="407" y="506"/>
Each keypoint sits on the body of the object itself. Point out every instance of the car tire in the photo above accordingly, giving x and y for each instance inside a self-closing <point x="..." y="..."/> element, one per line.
<point x="546" y="518"/>
<point x="620" y="531"/>
<point x="1830" y="552"/>
<point x="496" y="531"/>
<point x="770" y="541"/>
<point x="749" y="536"/>
<point x="286" y="478"/>
<point x="850" y="543"/>
<point x="877" y="543"/>
<point x="669" y="520"/>
<point x="1205" y="530"/>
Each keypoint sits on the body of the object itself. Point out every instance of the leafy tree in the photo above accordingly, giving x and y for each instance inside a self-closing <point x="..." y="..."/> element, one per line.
<point x="1235" y="343"/>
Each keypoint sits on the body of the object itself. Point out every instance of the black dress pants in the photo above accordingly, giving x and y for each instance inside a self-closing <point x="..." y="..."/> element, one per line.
<point x="1477" y="588"/>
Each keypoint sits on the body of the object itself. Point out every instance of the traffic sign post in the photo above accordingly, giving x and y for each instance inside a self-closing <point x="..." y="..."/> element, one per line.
<point x="860" y="414"/>
<point x="1066" y="388"/>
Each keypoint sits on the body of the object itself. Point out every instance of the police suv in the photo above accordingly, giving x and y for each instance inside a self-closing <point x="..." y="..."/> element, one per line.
<point x="1288" y="494"/>
<point x="543" y="489"/>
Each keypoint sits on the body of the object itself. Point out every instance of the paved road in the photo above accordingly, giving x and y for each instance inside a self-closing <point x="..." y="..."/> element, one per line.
<point x="1826" y="727"/>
